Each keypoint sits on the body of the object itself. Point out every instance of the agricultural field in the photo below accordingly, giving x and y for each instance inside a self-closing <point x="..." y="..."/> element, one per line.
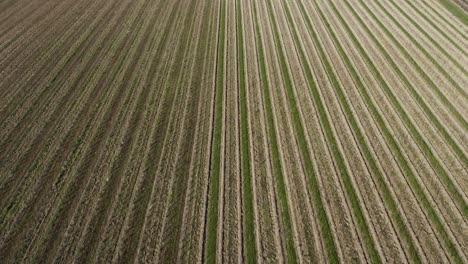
<point x="233" y="131"/>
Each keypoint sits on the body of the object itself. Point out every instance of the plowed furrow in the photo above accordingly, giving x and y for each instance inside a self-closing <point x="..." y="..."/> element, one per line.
<point x="430" y="159"/>
<point x="62" y="172"/>
<point x="61" y="112"/>
<point x="240" y="131"/>
<point x="402" y="160"/>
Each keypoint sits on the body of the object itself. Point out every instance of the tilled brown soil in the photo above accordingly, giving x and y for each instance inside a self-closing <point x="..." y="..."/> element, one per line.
<point x="184" y="131"/>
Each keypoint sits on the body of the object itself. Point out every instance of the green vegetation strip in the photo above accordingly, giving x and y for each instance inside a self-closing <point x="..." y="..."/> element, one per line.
<point x="426" y="53"/>
<point x="249" y="232"/>
<point x="391" y="205"/>
<point x="444" y="18"/>
<point x="420" y="101"/>
<point x="432" y="85"/>
<point x="462" y="50"/>
<point x="455" y="10"/>
<point x="355" y="204"/>
<point x="143" y="196"/>
<point x="280" y="178"/>
<point x="418" y="190"/>
<point x="323" y="219"/>
<point x="215" y="166"/>
<point x="426" y="150"/>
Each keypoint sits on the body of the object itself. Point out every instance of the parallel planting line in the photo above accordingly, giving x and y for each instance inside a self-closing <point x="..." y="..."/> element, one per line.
<point x="359" y="65"/>
<point x="428" y="20"/>
<point x="213" y="131"/>
<point x="33" y="154"/>
<point x="422" y="52"/>
<point x="43" y="33"/>
<point x="61" y="173"/>
<point x="49" y="59"/>
<point x="107" y="204"/>
<point x="11" y="9"/>
<point x="432" y="85"/>
<point x="19" y="96"/>
<point x="425" y="149"/>
<point x="193" y="127"/>
<point x="431" y="29"/>
<point x="192" y="202"/>
<point x="269" y="239"/>
<point x="306" y="219"/>
<point x="455" y="10"/>
<point x="246" y="171"/>
<point x="390" y="139"/>
<point x="174" y="139"/>
<point x="323" y="219"/>
<point x="87" y="162"/>
<point x="278" y="127"/>
<point x="138" y="178"/>
<point x="32" y="28"/>
<point x="230" y="250"/>
<point x="449" y="140"/>
<point x="148" y="166"/>
<point x="334" y="193"/>
<point x="32" y="19"/>
<point x="437" y="13"/>
<point x="280" y="177"/>
<point x="108" y="193"/>
<point x="373" y="254"/>
<point x="271" y="244"/>
<point x="99" y="111"/>
<point x="30" y="133"/>
<point x="418" y="45"/>
<point x="404" y="232"/>
<point x="42" y="107"/>
<point x="258" y="134"/>
<point x="202" y="172"/>
<point x="211" y="221"/>
<point x="138" y="104"/>
<point x="19" y="170"/>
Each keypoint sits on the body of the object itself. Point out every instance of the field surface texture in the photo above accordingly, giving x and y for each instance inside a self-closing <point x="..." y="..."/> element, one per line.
<point x="233" y="131"/>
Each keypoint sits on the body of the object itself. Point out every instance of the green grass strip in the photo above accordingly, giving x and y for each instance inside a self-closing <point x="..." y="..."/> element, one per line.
<point x="420" y="101"/>
<point x="455" y="10"/>
<point x="434" y="25"/>
<point x="432" y="85"/>
<point x="387" y="134"/>
<point x="323" y="220"/>
<point x="426" y="150"/>
<point x="215" y="169"/>
<point x="426" y="53"/>
<point x="250" y="247"/>
<point x="438" y="14"/>
<point x="391" y="205"/>
<point x="355" y="204"/>
<point x="278" y="172"/>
